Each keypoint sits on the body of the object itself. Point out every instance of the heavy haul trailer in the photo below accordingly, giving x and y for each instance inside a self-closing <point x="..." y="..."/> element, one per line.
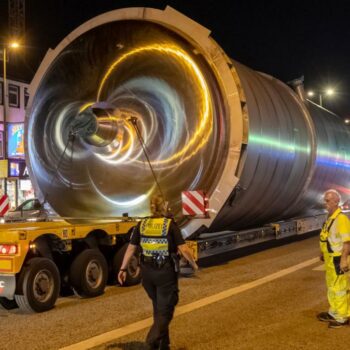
<point x="208" y="245"/>
<point x="39" y="261"/>
<point x="140" y="81"/>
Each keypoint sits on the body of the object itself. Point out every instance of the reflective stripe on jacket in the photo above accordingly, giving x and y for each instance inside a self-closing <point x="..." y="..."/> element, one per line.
<point x="153" y="232"/>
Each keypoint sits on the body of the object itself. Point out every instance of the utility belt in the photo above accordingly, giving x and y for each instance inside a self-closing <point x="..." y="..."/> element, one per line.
<point x="159" y="261"/>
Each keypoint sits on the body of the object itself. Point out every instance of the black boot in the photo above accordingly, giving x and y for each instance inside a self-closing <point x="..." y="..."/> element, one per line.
<point x="153" y="345"/>
<point x="164" y="345"/>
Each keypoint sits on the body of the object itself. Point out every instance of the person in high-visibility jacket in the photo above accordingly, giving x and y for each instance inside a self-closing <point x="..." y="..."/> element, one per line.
<point x="160" y="240"/>
<point x="335" y="250"/>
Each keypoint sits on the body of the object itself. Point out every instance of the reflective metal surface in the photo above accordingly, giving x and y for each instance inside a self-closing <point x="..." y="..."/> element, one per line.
<point x="331" y="168"/>
<point x="94" y="85"/>
<point x="295" y="152"/>
<point x="259" y="152"/>
<point x="278" y="156"/>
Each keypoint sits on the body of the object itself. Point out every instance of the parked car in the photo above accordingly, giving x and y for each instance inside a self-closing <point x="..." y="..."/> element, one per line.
<point x="29" y="210"/>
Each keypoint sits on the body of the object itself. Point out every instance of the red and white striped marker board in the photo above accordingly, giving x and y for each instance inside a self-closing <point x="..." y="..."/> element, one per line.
<point x="194" y="203"/>
<point x="4" y="204"/>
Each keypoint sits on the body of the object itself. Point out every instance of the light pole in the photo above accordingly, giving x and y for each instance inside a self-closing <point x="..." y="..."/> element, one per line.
<point x="12" y="45"/>
<point x="5" y="94"/>
<point x="327" y="92"/>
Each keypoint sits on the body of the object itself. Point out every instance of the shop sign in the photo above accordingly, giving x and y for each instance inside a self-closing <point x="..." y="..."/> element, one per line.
<point x="3" y="168"/>
<point x="18" y="169"/>
<point x="15" y="142"/>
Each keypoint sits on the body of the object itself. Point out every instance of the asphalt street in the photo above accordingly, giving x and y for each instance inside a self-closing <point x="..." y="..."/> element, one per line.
<point x="265" y="300"/>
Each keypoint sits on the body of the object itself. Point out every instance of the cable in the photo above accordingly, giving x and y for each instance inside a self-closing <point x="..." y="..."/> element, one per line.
<point x="143" y="145"/>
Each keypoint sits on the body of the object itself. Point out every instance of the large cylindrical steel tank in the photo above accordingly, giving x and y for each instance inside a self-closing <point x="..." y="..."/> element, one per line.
<point x="259" y="151"/>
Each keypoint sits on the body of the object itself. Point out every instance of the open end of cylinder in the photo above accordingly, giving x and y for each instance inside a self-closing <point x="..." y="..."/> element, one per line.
<point x="96" y="125"/>
<point x="114" y="71"/>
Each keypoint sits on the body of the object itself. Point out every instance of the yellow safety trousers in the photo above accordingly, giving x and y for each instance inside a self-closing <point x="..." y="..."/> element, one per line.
<point x="337" y="287"/>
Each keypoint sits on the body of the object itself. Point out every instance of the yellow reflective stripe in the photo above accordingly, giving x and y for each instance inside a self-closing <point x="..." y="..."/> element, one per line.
<point x="155" y="243"/>
<point x="340" y="293"/>
<point x="155" y="227"/>
<point x="154" y="248"/>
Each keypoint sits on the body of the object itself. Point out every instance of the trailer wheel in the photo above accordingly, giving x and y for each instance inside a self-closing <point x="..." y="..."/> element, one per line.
<point x="8" y="304"/>
<point x="88" y="273"/>
<point x="133" y="272"/>
<point x="40" y="285"/>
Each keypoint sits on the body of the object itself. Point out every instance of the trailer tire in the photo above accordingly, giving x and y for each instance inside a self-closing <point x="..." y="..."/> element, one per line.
<point x="88" y="273"/>
<point x="40" y="285"/>
<point x="8" y="304"/>
<point x="133" y="272"/>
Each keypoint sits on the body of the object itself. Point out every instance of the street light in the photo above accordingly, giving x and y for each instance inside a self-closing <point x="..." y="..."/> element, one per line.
<point x="14" y="45"/>
<point x="327" y="92"/>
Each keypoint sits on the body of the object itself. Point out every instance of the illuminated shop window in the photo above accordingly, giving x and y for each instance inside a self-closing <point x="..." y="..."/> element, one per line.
<point x="15" y="140"/>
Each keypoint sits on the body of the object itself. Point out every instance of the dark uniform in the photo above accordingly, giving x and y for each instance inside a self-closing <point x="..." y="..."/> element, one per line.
<point x="159" y="238"/>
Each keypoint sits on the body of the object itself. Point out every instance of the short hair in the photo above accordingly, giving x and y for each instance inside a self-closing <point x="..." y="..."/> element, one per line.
<point x="334" y="192"/>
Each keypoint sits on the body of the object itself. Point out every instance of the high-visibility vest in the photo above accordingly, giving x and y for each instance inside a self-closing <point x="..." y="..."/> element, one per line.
<point x="335" y="230"/>
<point x="153" y="233"/>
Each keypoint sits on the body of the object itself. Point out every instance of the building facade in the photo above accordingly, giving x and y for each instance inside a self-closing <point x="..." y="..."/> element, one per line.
<point x="14" y="177"/>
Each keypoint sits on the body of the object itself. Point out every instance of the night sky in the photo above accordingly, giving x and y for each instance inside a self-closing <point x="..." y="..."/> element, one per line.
<point x="285" y="39"/>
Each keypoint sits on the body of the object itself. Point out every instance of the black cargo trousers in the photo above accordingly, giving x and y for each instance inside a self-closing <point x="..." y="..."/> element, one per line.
<point x="161" y="285"/>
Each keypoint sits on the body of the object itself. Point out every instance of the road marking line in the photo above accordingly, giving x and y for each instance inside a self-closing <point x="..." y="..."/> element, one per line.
<point x="180" y="310"/>
<point x="319" y="268"/>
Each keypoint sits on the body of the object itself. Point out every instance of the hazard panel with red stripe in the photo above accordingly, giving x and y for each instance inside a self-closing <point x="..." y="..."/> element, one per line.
<point x="194" y="203"/>
<point x="4" y="204"/>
